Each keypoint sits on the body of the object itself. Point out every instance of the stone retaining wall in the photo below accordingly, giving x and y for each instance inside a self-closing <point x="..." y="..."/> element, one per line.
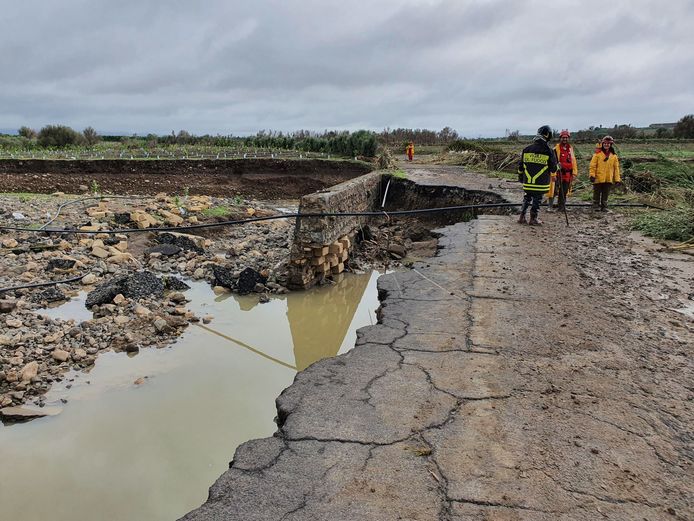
<point x="322" y="244"/>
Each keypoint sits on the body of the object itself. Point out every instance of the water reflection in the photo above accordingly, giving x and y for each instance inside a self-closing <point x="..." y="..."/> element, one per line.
<point x="126" y="451"/>
<point x="319" y="325"/>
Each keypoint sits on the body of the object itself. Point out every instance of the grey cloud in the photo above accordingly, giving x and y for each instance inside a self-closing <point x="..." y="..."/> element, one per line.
<point x="233" y="67"/>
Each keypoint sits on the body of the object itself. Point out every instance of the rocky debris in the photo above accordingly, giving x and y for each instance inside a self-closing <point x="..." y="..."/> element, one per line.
<point x="89" y="279"/>
<point x="177" y="297"/>
<point x="7" y="305"/>
<point x="248" y="280"/>
<point x="185" y="242"/>
<point x="166" y="249"/>
<point x="397" y="251"/>
<point x="51" y="294"/>
<point x="223" y="277"/>
<point x="20" y="414"/>
<point x="120" y="323"/>
<point x="161" y="326"/>
<point x="60" y="355"/>
<point x="29" y="371"/>
<point x="174" y="284"/>
<point x="135" y="286"/>
<point x="9" y="243"/>
<point x="121" y="218"/>
<point x="60" y="264"/>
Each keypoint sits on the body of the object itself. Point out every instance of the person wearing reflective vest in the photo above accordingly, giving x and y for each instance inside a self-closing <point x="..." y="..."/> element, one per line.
<point x="538" y="162"/>
<point x="568" y="168"/>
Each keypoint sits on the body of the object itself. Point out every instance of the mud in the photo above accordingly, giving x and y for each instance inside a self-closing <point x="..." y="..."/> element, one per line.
<point x="259" y="178"/>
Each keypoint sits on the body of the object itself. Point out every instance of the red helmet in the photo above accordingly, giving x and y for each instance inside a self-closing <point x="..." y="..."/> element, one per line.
<point x="564" y="133"/>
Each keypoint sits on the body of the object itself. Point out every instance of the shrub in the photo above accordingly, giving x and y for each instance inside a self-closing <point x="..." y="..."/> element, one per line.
<point x="685" y="127"/>
<point x="384" y="159"/>
<point x="59" y="136"/>
<point x="463" y="145"/>
<point x="90" y="136"/>
<point x="663" y="133"/>
<point x="27" y="132"/>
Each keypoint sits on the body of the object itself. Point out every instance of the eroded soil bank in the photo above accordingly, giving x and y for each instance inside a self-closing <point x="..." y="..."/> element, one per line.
<point x="259" y="178"/>
<point x="522" y="373"/>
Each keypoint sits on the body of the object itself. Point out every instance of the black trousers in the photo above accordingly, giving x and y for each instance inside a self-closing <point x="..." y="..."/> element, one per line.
<point x="601" y="192"/>
<point x="534" y="199"/>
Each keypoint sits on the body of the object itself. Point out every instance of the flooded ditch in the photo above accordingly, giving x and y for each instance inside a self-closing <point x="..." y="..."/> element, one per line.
<point x="143" y="437"/>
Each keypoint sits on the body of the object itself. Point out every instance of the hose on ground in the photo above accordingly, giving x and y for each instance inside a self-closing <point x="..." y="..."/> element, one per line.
<point x="41" y="284"/>
<point x="269" y="218"/>
<point x="293" y="216"/>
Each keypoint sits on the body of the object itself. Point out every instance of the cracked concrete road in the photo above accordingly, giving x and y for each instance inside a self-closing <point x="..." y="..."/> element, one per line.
<point x="521" y="374"/>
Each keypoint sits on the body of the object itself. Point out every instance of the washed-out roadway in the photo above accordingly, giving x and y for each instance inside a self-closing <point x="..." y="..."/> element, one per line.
<point x="523" y="373"/>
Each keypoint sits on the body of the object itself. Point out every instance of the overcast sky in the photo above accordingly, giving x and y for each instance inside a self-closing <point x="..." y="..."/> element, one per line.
<point x="235" y="67"/>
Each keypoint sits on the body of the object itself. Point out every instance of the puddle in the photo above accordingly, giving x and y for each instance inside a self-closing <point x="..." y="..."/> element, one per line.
<point x="126" y="451"/>
<point x="72" y="309"/>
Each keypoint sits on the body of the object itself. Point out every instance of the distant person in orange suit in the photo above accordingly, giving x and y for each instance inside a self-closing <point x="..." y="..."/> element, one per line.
<point x="409" y="150"/>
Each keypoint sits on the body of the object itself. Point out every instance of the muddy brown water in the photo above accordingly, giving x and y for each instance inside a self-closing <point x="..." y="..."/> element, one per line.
<point x="149" y="451"/>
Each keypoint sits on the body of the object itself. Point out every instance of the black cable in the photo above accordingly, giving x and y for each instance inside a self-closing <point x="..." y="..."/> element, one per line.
<point x="296" y="215"/>
<point x="284" y="216"/>
<point x="41" y="284"/>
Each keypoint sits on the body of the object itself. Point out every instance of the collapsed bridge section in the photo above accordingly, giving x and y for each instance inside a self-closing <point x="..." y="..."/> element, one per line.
<point x="322" y="245"/>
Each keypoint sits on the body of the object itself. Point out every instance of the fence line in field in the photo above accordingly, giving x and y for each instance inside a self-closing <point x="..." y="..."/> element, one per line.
<point x="160" y="154"/>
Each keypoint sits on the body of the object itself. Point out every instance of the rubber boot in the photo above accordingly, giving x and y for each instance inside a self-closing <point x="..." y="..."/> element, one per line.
<point x="550" y="204"/>
<point x="522" y="219"/>
<point x="534" y="221"/>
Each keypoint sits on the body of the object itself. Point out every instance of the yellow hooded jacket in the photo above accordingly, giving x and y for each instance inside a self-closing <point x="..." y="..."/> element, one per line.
<point x="605" y="171"/>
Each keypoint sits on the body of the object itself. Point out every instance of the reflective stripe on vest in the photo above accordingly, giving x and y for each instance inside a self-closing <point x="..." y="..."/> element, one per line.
<point x="536" y="188"/>
<point x="530" y="184"/>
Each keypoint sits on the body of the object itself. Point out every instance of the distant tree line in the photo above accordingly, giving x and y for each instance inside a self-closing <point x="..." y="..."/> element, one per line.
<point x="343" y="143"/>
<point x="399" y="136"/>
<point x="59" y="136"/>
<point x="683" y="129"/>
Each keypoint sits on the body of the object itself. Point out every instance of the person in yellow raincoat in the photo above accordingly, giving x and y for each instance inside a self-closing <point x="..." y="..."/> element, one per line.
<point x="604" y="172"/>
<point x="568" y="169"/>
<point x="409" y="150"/>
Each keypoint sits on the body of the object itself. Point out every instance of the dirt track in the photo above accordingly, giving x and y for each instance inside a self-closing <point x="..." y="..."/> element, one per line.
<point x="258" y="178"/>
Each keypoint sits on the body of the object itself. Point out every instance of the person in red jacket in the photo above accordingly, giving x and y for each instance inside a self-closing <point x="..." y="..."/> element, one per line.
<point x="568" y="168"/>
<point x="410" y="151"/>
